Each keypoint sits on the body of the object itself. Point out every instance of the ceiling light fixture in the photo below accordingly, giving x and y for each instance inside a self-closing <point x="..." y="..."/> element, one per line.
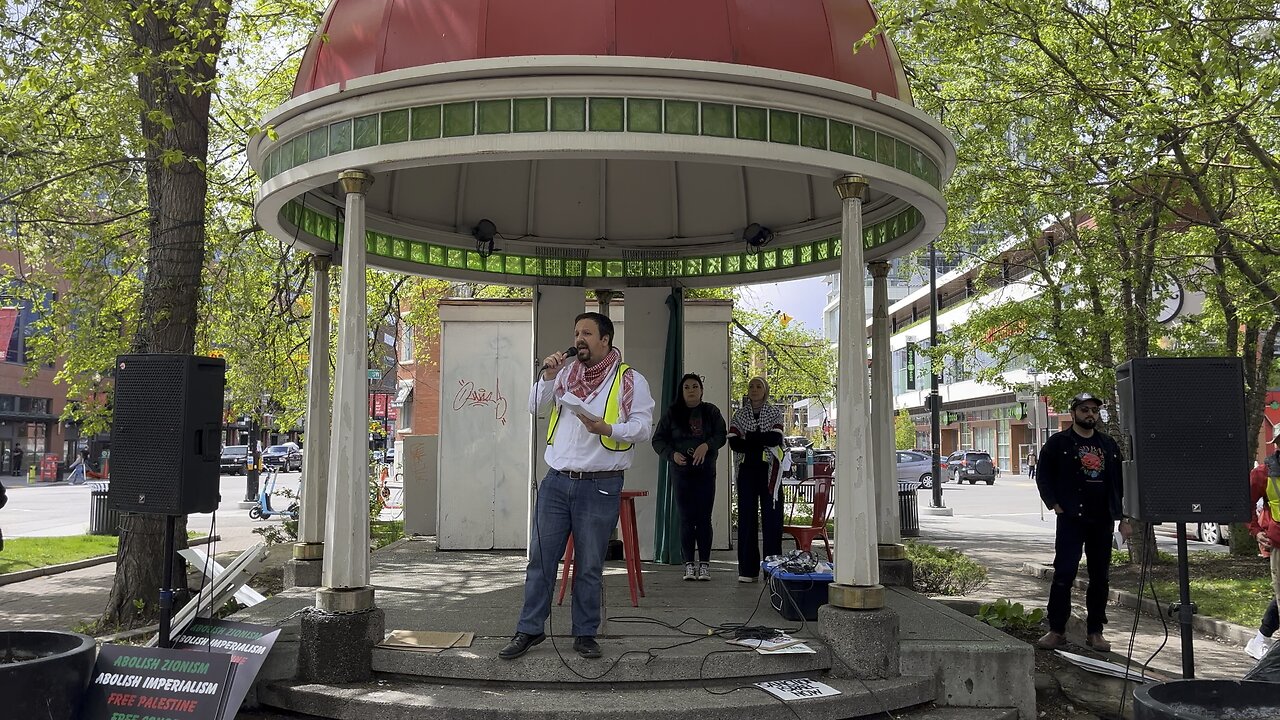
<point x="484" y="232"/>
<point x="756" y="236"/>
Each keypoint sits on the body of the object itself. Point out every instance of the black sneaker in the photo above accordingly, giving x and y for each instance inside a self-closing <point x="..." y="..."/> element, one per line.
<point x="587" y="647"/>
<point x="520" y="645"/>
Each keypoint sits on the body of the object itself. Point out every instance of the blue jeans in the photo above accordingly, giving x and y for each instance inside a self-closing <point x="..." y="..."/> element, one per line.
<point x="589" y="510"/>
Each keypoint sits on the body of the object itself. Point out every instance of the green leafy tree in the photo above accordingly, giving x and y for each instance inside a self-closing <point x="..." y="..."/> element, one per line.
<point x="1144" y="135"/>
<point x="113" y="131"/>
<point x="904" y="431"/>
<point x="798" y="363"/>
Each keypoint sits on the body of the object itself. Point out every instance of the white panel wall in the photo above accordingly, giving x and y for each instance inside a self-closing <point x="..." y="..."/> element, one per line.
<point x="642" y="334"/>
<point x="552" y="332"/>
<point x="417" y="456"/>
<point x="706" y="352"/>
<point x="484" y="426"/>
<point x="487" y="505"/>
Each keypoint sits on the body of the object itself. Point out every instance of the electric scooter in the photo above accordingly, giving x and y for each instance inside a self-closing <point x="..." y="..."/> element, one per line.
<point x="266" y="489"/>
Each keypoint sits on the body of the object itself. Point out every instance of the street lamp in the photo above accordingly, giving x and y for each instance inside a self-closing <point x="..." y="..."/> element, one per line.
<point x="935" y="400"/>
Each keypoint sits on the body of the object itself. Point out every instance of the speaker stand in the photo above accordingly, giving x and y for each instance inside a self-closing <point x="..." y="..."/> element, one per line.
<point x="1185" y="607"/>
<point x="166" y="590"/>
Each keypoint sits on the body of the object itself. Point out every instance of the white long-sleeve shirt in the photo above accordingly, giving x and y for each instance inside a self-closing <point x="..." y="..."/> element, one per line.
<point x="574" y="447"/>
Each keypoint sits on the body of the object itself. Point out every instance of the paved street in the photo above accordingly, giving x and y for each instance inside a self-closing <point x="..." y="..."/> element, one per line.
<point x="45" y="510"/>
<point x="67" y="600"/>
<point x="1012" y="506"/>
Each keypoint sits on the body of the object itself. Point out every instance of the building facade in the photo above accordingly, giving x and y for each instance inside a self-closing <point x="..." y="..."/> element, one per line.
<point x="29" y="406"/>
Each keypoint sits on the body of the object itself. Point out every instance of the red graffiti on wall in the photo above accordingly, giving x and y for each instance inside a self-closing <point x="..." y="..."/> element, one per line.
<point x="471" y="396"/>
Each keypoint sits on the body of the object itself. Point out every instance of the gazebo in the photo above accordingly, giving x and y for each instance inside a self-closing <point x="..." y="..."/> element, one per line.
<point x="634" y="145"/>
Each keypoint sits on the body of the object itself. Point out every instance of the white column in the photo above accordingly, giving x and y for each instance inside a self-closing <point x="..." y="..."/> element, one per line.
<point x="857" y="575"/>
<point x="315" y="455"/>
<point x="346" y="562"/>
<point x="884" y="455"/>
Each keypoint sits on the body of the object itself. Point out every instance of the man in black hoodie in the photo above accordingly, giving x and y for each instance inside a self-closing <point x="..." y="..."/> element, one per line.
<point x="1079" y="478"/>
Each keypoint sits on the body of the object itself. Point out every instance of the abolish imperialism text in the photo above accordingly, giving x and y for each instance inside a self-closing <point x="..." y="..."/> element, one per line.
<point x="220" y="644"/>
<point x="146" y="682"/>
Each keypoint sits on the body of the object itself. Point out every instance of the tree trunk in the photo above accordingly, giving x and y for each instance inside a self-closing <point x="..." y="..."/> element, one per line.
<point x="174" y="84"/>
<point x="1141" y="542"/>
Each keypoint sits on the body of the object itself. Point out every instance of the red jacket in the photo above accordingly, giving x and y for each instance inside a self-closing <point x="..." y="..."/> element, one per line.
<point x="1263" y="521"/>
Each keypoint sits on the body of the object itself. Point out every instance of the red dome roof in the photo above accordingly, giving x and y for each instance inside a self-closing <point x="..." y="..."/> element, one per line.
<point x="813" y="37"/>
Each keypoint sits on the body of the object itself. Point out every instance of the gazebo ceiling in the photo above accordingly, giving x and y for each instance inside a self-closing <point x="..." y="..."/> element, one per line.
<point x="609" y="142"/>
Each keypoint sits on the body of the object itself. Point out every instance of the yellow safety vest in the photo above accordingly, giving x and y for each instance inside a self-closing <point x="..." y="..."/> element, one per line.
<point x="612" y="409"/>
<point x="1273" y="498"/>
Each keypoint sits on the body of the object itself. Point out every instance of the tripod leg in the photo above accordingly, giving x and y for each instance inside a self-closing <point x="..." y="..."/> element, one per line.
<point x="166" y="592"/>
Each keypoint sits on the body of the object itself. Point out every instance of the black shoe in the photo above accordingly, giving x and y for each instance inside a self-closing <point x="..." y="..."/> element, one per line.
<point x="586" y="646"/>
<point x="520" y="645"/>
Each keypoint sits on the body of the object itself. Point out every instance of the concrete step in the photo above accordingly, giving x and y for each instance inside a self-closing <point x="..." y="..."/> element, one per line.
<point x="933" y="712"/>
<point x="633" y="659"/>
<point x="399" y="698"/>
<point x="976" y="665"/>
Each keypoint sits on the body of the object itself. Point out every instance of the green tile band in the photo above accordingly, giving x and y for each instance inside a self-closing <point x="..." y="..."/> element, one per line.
<point x="427" y="254"/>
<point x="601" y="114"/>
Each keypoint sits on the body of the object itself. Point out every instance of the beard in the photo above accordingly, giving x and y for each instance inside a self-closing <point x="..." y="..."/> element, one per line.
<point x="1088" y="422"/>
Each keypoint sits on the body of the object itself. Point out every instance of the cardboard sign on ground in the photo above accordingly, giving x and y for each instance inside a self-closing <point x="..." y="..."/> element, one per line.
<point x="130" y="683"/>
<point x="245" y="645"/>
<point x="797" y="689"/>
<point x="426" y="640"/>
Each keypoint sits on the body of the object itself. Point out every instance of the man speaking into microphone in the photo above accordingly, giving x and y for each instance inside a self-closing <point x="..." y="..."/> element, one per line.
<point x="602" y="409"/>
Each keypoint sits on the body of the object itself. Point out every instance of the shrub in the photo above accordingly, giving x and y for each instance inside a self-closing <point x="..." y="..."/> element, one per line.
<point x="944" y="571"/>
<point x="1012" y="617"/>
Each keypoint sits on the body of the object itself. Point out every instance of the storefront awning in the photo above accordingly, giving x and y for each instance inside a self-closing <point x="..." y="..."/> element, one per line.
<point x="404" y="388"/>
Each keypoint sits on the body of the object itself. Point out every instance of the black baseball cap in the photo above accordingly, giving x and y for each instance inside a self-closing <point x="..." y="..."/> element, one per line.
<point x="1082" y="398"/>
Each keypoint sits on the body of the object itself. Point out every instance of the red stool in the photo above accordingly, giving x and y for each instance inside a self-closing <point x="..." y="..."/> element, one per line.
<point x="630" y="550"/>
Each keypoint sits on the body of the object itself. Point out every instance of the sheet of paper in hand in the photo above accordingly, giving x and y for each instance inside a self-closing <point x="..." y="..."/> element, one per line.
<point x="574" y="404"/>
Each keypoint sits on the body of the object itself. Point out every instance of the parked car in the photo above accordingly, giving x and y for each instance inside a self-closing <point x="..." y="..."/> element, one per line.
<point x="972" y="465"/>
<point x="915" y="467"/>
<point x="286" y="457"/>
<point x="797" y="446"/>
<point x="234" y="460"/>
<point x="1213" y="533"/>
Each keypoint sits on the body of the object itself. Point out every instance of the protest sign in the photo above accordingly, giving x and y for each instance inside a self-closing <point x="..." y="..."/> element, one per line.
<point x="141" y="683"/>
<point x="247" y="645"/>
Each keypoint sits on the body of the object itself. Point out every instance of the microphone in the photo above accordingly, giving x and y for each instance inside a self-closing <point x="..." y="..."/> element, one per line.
<point x="571" y="352"/>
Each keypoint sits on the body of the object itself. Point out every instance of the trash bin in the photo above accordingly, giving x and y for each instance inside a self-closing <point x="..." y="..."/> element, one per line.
<point x="102" y="519"/>
<point x="908" y="509"/>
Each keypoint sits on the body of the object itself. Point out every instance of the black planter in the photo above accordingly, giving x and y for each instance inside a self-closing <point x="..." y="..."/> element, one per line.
<point x="44" y="673"/>
<point x="1207" y="699"/>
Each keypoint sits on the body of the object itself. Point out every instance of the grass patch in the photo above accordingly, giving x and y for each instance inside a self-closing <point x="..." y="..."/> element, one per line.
<point x="944" y="571"/>
<point x="28" y="553"/>
<point x="1229" y="587"/>
<point x="385" y="532"/>
<point x="1239" y="601"/>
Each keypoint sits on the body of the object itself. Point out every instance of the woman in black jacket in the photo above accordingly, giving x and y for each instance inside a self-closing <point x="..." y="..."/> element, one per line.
<point x="755" y="435"/>
<point x="689" y="436"/>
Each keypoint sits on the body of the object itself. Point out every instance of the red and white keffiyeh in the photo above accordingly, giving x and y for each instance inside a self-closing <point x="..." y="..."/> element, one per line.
<point x="588" y="382"/>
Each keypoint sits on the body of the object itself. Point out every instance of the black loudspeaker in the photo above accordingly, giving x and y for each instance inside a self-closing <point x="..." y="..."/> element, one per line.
<point x="1183" y="425"/>
<point x="165" y="434"/>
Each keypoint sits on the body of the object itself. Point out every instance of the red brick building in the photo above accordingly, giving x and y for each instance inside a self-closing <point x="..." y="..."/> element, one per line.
<point x="29" y="425"/>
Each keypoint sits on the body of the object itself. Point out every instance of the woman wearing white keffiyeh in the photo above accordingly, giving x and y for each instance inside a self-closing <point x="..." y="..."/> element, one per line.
<point x="755" y="436"/>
